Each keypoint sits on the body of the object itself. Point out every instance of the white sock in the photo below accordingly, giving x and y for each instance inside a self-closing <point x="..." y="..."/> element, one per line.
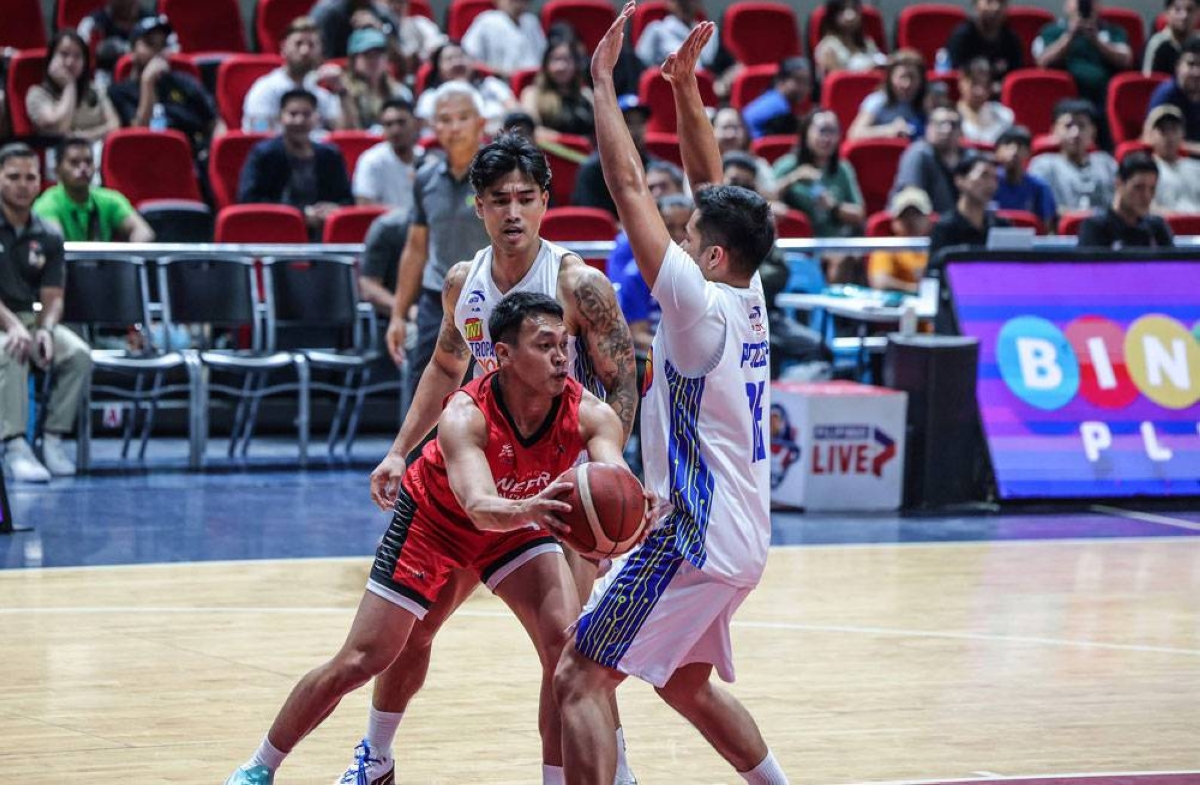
<point x="381" y="731"/>
<point x="553" y="775"/>
<point x="766" y="773"/>
<point x="624" y="773"/>
<point x="267" y="755"/>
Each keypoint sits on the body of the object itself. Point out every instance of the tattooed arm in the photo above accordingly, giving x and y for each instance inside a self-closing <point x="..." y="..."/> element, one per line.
<point x="591" y="306"/>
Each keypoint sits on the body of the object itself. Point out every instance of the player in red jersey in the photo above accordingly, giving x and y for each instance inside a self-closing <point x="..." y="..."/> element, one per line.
<point x="477" y="498"/>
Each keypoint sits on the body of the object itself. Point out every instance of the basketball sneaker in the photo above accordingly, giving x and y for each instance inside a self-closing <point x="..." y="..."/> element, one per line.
<point x="251" y="775"/>
<point x="369" y="770"/>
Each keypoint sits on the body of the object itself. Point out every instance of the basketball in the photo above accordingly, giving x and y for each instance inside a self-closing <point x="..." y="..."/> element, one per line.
<point x="607" y="509"/>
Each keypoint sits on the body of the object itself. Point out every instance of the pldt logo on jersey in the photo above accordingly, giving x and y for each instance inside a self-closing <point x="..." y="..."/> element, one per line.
<point x="851" y="449"/>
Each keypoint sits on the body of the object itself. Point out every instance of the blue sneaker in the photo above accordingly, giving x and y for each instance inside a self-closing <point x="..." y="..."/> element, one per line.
<point x="251" y="775"/>
<point x="369" y="770"/>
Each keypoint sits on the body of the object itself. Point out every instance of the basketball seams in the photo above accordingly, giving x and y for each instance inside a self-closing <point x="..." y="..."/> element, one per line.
<point x="584" y="487"/>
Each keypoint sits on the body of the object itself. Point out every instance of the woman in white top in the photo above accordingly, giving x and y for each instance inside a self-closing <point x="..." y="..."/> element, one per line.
<point x="843" y="45"/>
<point x="983" y="120"/>
<point x="66" y="102"/>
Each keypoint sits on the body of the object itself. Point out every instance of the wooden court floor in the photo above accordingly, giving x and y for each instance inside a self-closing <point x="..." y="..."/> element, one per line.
<point x="861" y="663"/>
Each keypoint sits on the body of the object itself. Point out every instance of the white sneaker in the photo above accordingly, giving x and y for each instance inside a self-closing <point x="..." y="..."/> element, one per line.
<point x="55" y="457"/>
<point x="369" y="770"/>
<point x="20" y="462"/>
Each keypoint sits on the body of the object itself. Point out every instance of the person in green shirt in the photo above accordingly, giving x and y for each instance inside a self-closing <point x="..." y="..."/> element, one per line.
<point x="81" y="212"/>
<point x="815" y="181"/>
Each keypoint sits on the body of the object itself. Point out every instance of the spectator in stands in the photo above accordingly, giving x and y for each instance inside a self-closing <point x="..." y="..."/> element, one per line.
<point x="987" y="35"/>
<point x="33" y="273"/>
<point x="664" y="36"/>
<point x="368" y="82"/>
<point x="929" y="163"/>
<point x="82" y="212"/>
<point x="385" y="173"/>
<point x="559" y="99"/>
<point x="293" y="169"/>
<point x="1183" y="92"/>
<point x="1091" y="50"/>
<point x="816" y="181"/>
<point x="1128" y="222"/>
<point x="1178" y="175"/>
<point x="451" y="64"/>
<point x="739" y="169"/>
<point x="381" y="259"/>
<point x="1080" y="180"/>
<point x="507" y="38"/>
<point x="897" y="109"/>
<point x="663" y="178"/>
<point x="590" y="189"/>
<point x="151" y="84"/>
<point x="301" y="69"/>
<point x="970" y="220"/>
<point x="902" y="269"/>
<point x="778" y="110"/>
<point x="1019" y="190"/>
<point x="843" y="45"/>
<point x="637" y="304"/>
<point x="112" y="22"/>
<point x="66" y="102"/>
<point x="733" y="136"/>
<point x="983" y="120"/>
<point x="444" y="230"/>
<point x="1164" y="47"/>
<point x="338" y="19"/>
<point x="418" y="37"/>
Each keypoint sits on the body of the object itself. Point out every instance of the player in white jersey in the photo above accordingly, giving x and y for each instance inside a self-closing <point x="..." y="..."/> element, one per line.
<point x="663" y="612"/>
<point x="511" y="180"/>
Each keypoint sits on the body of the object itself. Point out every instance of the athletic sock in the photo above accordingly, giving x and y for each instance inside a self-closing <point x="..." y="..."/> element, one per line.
<point x="624" y="773"/>
<point x="553" y="775"/>
<point x="267" y="755"/>
<point x="381" y="731"/>
<point x="766" y="773"/>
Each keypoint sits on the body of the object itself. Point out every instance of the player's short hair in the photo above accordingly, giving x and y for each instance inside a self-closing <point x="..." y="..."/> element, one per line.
<point x="1135" y="164"/>
<point x="507" y="152"/>
<point x="66" y="143"/>
<point x="397" y="103"/>
<point x="510" y="313"/>
<point x="1076" y="106"/>
<point x="16" y="150"/>
<point x="738" y="220"/>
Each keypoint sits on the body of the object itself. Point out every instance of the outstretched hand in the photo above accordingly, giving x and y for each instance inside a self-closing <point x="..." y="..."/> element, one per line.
<point x="604" y="59"/>
<point x="682" y="62"/>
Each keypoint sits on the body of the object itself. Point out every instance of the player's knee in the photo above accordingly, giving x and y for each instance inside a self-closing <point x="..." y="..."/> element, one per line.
<point x="684" y="696"/>
<point x="574" y="677"/>
<point x="551" y="646"/>
<point x="358" y="666"/>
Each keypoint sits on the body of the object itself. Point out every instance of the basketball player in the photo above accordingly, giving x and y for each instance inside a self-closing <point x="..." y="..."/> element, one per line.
<point x="511" y="180"/>
<point x="479" y="494"/>
<point x="663" y="612"/>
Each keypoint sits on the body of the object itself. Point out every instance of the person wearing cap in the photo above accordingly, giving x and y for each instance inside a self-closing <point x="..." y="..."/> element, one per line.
<point x="338" y="19"/>
<point x="1178" y="175"/>
<point x="367" y="80"/>
<point x="778" y="110"/>
<point x="507" y="38"/>
<point x="1183" y="91"/>
<point x="1019" y="190"/>
<point x="901" y="270"/>
<point x="151" y="83"/>
<point x="302" y="69"/>
<point x="590" y="189"/>
<point x="1127" y="222"/>
<point x="1080" y="177"/>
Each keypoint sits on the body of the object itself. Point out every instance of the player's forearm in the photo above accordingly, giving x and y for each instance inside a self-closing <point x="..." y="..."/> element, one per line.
<point x="52" y="307"/>
<point x="619" y="159"/>
<point x="494" y="513"/>
<point x="697" y="143"/>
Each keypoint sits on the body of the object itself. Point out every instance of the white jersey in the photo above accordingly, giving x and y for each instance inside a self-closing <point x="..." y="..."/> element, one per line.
<point x="479" y="296"/>
<point x="703" y="427"/>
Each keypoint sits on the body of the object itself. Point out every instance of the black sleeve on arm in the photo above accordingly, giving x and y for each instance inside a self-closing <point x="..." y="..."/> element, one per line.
<point x="1093" y="234"/>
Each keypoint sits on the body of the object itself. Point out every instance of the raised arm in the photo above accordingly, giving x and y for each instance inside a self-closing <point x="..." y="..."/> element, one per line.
<point x="619" y="158"/>
<point x="697" y="143"/>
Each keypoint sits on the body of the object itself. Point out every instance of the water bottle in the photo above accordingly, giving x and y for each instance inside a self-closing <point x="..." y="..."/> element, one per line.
<point x="158" y="118"/>
<point x="908" y="320"/>
<point x="941" y="62"/>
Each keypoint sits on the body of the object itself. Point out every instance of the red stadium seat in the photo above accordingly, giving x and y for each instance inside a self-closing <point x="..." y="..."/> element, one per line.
<point x="927" y="26"/>
<point x="652" y="11"/>
<point x="180" y="64"/>
<point x="461" y="13"/>
<point x="350" y="224"/>
<point x="656" y="93"/>
<point x="793" y="224"/>
<point x="421" y="8"/>
<point x="756" y="33"/>
<point x="875" y="162"/>
<point x="1032" y="93"/>
<point x="751" y="82"/>
<point x="235" y="75"/>
<point x="774" y="147"/>
<point x="521" y="79"/>
<point x="1131" y="22"/>
<point x="353" y="144"/>
<point x="260" y="223"/>
<point x="272" y="17"/>
<point x="1069" y="223"/>
<point x="69" y="13"/>
<point x="1131" y="146"/>
<point x="25" y="69"/>
<point x="589" y="18"/>
<point x="208" y="26"/>
<point x="563" y="170"/>
<point x="1127" y="101"/>
<point x="1184" y="224"/>
<point x="880" y="224"/>
<point x="225" y="159"/>
<point x="144" y="164"/>
<point x="1022" y="218"/>
<point x="664" y="145"/>
<point x="23" y="26"/>
<point x="583" y="224"/>
<point x="844" y="91"/>
<point x="1027" y="21"/>
<point x="873" y="26"/>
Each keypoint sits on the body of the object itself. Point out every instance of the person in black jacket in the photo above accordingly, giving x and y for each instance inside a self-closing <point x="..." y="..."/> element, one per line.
<point x="1127" y="222"/>
<point x="292" y="169"/>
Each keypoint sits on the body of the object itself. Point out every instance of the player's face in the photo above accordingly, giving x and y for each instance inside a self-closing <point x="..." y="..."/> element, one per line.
<point x="539" y="358"/>
<point x="694" y="244"/>
<point x="512" y="210"/>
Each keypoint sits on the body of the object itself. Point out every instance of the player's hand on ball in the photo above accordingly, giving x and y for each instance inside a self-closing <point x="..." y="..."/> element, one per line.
<point x="545" y="508"/>
<point x="385" y="481"/>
